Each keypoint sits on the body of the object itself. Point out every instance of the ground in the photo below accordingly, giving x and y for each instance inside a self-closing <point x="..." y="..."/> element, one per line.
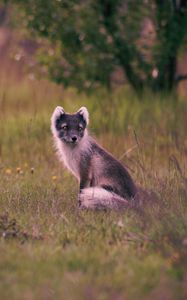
<point x="51" y="250"/>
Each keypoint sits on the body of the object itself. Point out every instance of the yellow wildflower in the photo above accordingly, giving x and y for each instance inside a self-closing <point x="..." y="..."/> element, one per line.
<point x="18" y="169"/>
<point x="32" y="170"/>
<point x="8" y="171"/>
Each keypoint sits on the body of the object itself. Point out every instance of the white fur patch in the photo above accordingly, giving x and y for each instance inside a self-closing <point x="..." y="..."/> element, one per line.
<point x="99" y="198"/>
<point x="84" y="112"/>
<point x="71" y="157"/>
<point x="56" y="114"/>
<point x="96" y="192"/>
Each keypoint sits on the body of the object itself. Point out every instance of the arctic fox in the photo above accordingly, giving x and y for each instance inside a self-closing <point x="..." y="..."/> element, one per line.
<point x="104" y="182"/>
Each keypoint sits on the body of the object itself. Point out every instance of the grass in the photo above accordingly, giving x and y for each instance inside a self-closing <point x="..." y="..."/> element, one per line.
<point x="49" y="249"/>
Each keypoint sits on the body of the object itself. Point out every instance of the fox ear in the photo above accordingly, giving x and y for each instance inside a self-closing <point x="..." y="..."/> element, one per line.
<point x="84" y="112"/>
<point x="57" y="113"/>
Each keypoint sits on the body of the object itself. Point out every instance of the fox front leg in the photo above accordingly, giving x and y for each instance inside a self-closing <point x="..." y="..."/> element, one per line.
<point x="85" y="180"/>
<point x="83" y="184"/>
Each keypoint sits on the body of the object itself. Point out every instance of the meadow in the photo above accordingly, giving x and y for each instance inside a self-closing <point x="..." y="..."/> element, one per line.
<point x="51" y="250"/>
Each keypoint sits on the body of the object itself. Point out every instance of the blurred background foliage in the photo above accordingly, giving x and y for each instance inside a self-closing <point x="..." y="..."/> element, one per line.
<point x="93" y="43"/>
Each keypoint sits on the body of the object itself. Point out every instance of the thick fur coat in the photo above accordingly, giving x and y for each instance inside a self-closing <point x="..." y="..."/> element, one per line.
<point x="104" y="182"/>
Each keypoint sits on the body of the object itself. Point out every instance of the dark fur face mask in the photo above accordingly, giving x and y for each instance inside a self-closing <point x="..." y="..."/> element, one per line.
<point x="71" y="128"/>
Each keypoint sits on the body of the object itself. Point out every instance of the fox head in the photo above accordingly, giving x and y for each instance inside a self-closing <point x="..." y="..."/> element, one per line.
<point x="69" y="128"/>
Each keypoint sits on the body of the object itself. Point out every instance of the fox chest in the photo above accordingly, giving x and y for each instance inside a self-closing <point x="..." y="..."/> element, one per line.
<point x="71" y="160"/>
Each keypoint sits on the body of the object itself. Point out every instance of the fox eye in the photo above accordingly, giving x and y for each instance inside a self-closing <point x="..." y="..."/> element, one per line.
<point x="80" y="128"/>
<point x="64" y="127"/>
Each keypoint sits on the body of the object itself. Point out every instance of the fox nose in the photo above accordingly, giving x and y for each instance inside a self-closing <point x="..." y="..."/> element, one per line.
<point x="74" y="139"/>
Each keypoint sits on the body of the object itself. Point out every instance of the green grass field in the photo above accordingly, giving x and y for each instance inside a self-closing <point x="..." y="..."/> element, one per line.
<point x="51" y="250"/>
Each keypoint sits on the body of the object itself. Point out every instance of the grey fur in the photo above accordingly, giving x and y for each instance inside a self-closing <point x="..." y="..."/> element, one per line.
<point x="104" y="182"/>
